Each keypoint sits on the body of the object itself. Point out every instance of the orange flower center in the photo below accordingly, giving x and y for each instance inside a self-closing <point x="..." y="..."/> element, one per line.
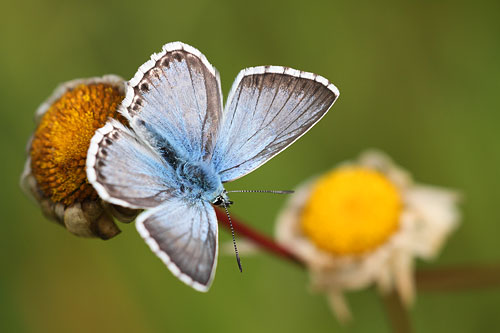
<point x="351" y="210"/>
<point x="60" y="143"/>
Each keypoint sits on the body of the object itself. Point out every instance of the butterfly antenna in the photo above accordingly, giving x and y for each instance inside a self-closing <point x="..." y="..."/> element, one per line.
<point x="234" y="240"/>
<point x="262" y="191"/>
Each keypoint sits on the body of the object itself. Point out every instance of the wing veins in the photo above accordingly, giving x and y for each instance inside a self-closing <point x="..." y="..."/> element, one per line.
<point x="258" y="97"/>
<point x="235" y="107"/>
<point x="276" y="115"/>
<point x="194" y="91"/>
<point x="281" y="132"/>
<point x="303" y="112"/>
<point x="286" y="102"/>
<point x="179" y="112"/>
<point x="200" y="252"/>
<point x="272" y="102"/>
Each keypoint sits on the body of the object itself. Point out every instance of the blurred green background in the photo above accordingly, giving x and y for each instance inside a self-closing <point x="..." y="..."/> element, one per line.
<point x="419" y="80"/>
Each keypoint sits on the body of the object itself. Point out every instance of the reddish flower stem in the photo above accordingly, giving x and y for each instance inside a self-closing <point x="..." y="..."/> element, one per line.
<point x="263" y="241"/>
<point x="439" y="279"/>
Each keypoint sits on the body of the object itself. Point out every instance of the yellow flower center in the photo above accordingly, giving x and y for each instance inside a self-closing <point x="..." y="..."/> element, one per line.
<point x="60" y="143"/>
<point x="351" y="210"/>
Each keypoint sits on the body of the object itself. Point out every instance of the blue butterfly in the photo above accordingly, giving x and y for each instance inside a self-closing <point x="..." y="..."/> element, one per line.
<point x="182" y="147"/>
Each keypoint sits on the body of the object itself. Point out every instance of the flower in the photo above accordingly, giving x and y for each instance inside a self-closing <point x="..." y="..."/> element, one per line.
<point x="364" y="223"/>
<point x="54" y="173"/>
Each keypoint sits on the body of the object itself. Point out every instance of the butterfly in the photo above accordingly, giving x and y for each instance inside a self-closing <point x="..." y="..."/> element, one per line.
<point x="182" y="146"/>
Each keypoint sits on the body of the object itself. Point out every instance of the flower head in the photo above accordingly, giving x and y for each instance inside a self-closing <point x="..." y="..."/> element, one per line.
<point x="364" y="223"/>
<point x="54" y="173"/>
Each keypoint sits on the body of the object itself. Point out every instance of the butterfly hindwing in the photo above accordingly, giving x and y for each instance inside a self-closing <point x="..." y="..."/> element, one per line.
<point x="184" y="236"/>
<point x="267" y="110"/>
<point x="126" y="171"/>
<point x="177" y="92"/>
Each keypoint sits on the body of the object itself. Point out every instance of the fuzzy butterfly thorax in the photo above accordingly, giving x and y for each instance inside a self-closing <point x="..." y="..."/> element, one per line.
<point x="198" y="180"/>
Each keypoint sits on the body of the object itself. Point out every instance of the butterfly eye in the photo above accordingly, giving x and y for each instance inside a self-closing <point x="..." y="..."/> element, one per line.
<point x="218" y="201"/>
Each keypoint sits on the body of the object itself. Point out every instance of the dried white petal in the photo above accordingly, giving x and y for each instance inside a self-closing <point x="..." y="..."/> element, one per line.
<point x="339" y="306"/>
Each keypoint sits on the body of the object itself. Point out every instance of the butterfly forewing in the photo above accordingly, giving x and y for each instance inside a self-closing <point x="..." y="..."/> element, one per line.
<point x="267" y="110"/>
<point x="184" y="235"/>
<point x="177" y="94"/>
<point x="125" y="171"/>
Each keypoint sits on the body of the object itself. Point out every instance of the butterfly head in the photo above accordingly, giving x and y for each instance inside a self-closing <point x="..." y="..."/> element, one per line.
<point x="222" y="200"/>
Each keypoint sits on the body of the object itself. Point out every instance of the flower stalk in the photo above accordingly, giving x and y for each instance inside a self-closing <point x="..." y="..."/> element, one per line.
<point x="261" y="240"/>
<point x="458" y="278"/>
<point x="428" y="279"/>
<point x="396" y="313"/>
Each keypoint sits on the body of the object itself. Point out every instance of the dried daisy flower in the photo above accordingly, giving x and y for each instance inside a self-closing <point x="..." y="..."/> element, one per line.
<point x="364" y="223"/>
<point x="54" y="173"/>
